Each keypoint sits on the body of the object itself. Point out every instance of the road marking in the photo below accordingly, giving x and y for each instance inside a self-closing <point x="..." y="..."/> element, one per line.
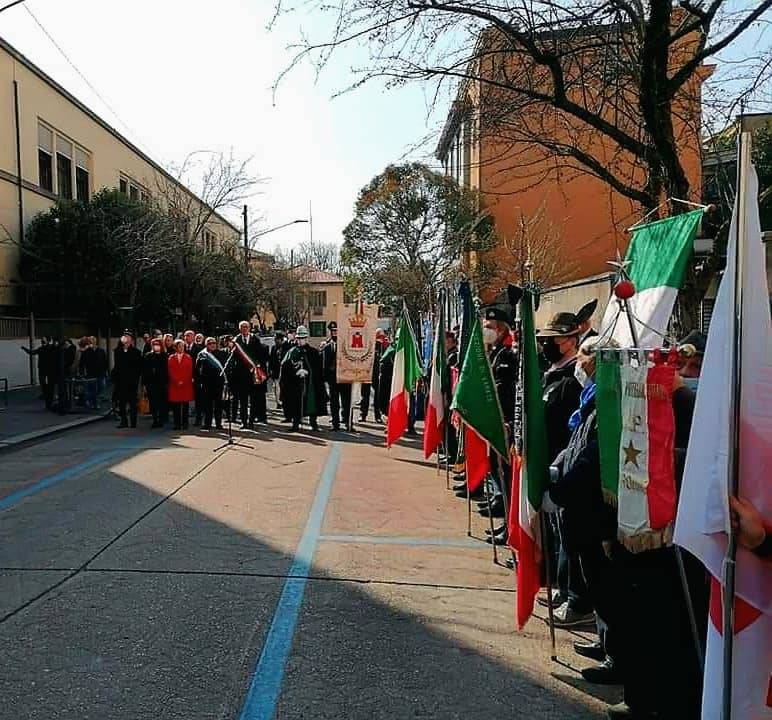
<point x="395" y="540"/>
<point x="265" y="685"/>
<point x="99" y="459"/>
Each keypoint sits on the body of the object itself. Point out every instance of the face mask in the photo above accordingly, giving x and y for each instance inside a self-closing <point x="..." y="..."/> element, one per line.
<point x="691" y="383"/>
<point x="580" y="375"/>
<point x="489" y="336"/>
<point x="551" y="351"/>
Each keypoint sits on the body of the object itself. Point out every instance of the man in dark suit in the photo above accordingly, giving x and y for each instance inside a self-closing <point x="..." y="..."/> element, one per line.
<point x="339" y="393"/>
<point x="364" y="407"/>
<point x="252" y="395"/>
<point x="127" y="370"/>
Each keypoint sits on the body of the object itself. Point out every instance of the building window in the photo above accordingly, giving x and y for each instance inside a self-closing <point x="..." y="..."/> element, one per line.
<point x="209" y="241"/>
<point x="123" y="186"/>
<point x="82" y="186"/>
<point x="64" y="168"/>
<point x="45" y="158"/>
<point x="317" y="329"/>
<point x="144" y="197"/>
<point x="134" y="193"/>
<point x="317" y="298"/>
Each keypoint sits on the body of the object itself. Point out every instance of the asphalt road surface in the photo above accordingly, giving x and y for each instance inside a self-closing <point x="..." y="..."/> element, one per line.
<point x="144" y="576"/>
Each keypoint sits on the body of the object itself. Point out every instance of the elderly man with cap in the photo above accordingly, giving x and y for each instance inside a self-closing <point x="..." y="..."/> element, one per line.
<point x="127" y="370"/>
<point x="339" y="393"/>
<point x="559" y="342"/>
<point x="302" y="386"/>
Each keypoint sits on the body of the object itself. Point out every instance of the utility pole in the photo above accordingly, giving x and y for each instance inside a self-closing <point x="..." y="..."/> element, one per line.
<point x="311" y="222"/>
<point x="246" y="238"/>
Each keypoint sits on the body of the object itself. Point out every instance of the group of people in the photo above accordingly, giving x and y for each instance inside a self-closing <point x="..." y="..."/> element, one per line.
<point x="635" y="601"/>
<point x="228" y="378"/>
<point x="60" y="360"/>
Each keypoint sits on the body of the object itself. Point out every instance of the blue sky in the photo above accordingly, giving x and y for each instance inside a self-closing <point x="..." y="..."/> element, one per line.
<point x="185" y="76"/>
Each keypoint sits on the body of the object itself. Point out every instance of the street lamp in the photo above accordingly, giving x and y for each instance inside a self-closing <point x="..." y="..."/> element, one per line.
<point x="11" y="4"/>
<point x="263" y="232"/>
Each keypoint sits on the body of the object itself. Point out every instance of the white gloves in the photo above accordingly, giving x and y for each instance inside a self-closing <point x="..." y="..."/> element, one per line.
<point x="546" y="503"/>
<point x="302" y="373"/>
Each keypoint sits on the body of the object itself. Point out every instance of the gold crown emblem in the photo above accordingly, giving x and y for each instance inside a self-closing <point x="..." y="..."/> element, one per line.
<point x="358" y="319"/>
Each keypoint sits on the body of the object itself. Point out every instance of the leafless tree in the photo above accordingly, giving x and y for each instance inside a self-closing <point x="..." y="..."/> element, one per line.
<point x="529" y="255"/>
<point x="605" y="87"/>
<point x="319" y="255"/>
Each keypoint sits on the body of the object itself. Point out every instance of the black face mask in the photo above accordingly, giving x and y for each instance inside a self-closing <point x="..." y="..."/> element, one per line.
<point x="551" y="351"/>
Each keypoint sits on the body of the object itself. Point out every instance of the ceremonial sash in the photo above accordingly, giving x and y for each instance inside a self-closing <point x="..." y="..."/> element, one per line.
<point x="258" y="374"/>
<point x="212" y="360"/>
<point x="646" y="492"/>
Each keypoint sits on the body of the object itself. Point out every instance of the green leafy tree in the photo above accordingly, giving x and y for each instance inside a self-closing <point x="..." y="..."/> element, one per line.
<point x="411" y="229"/>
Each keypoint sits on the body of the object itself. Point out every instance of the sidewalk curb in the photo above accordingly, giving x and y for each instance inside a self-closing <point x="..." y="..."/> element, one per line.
<point x="15" y="440"/>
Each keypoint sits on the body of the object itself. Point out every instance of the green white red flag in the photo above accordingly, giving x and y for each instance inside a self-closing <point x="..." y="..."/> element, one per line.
<point x="434" y="422"/>
<point x="646" y="454"/>
<point x="534" y="470"/>
<point x="407" y="372"/>
<point x="704" y="520"/>
<point x="658" y="256"/>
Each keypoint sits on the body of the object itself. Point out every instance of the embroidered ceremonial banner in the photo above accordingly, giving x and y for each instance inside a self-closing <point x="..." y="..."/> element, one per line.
<point x="357" y="324"/>
<point x="647" y="494"/>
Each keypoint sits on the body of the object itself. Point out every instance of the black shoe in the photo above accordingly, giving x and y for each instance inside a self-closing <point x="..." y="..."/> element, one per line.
<point x="206" y="427"/>
<point x="286" y="420"/>
<point x="335" y="428"/>
<point x="496" y="531"/>
<point x="315" y="427"/>
<point x="498" y="538"/>
<point x="603" y="674"/>
<point x="592" y="650"/>
<point x="510" y="563"/>
<point x="363" y="418"/>
<point x="123" y="425"/>
<point x="295" y="428"/>
<point x="496" y="508"/>
<point x="476" y="495"/>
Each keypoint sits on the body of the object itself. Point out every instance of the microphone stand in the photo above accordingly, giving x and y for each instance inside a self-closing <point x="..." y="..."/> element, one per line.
<point x="230" y="441"/>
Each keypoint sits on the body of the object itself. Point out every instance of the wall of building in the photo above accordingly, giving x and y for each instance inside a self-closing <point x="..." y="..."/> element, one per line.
<point x="109" y="158"/>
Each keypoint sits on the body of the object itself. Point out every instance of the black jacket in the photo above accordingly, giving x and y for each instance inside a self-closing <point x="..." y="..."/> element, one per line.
<point x="127" y="367"/>
<point x="206" y="373"/>
<point x="330" y="360"/>
<point x="587" y="519"/>
<point x="255" y="351"/>
<point x="100" y="361"/>
<point x="88" y="363"/>
<point x="561" y="398"/>
<point x="504" y="365"/>
<point x="155" y="370"/>
<point x="278" y="352"/>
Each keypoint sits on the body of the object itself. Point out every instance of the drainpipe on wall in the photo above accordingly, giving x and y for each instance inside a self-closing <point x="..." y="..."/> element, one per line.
<point x="18" y="161"/>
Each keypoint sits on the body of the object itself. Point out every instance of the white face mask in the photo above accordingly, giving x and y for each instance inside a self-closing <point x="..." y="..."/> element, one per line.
<point x="580" y="375"/>
<point x="489" y="336"/>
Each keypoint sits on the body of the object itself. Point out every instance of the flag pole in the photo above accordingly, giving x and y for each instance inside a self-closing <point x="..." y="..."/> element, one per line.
<point x="547" y="555"/>
<point x="490" y="517"/>
<point x="730" y="562"/>
<point x="679" y="557"/>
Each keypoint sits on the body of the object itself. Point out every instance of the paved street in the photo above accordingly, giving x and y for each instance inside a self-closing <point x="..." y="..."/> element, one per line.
<point x="310" y="576"/>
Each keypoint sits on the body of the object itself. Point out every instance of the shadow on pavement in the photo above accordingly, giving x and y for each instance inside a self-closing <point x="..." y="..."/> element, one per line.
<point x="162" y="608"/>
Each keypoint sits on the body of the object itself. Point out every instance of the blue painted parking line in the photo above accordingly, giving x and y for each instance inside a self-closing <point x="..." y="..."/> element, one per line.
<point x="68" y="473"/>
<point x="265" y="685"/>
<point x="397" y="540"/>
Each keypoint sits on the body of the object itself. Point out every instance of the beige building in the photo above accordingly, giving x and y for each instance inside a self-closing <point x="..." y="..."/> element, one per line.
<point x="53" y="147"/>
<point x="318" y="298"/>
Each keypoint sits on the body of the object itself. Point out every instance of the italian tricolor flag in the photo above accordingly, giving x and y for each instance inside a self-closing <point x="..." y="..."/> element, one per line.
<point x="434" y="424"/>
<point x="477" y="403"/>
<point x="407" y="372"/>
<point x="646" y="489"/>
<point x="656" y="262"/>
<point x="533" y="467"/>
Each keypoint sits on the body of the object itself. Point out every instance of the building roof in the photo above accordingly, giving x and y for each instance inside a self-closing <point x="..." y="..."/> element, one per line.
<point x="308" y="274"/>
<point x="24" y="60"/>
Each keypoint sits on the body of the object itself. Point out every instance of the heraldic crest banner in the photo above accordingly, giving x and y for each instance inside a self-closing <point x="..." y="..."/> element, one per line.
<point x="357" y="324"/>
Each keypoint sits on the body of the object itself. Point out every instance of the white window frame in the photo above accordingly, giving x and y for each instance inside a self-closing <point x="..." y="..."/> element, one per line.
<point x="76" y="149"/>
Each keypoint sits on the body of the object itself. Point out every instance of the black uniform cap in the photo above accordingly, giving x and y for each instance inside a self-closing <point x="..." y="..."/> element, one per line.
<point x="332" y="325"/>
<point x="129" y="333"/>
<point x="497" y="313"/>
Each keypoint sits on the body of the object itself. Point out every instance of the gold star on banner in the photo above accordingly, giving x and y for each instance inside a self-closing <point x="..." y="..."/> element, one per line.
<point x="631" y="454"/>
